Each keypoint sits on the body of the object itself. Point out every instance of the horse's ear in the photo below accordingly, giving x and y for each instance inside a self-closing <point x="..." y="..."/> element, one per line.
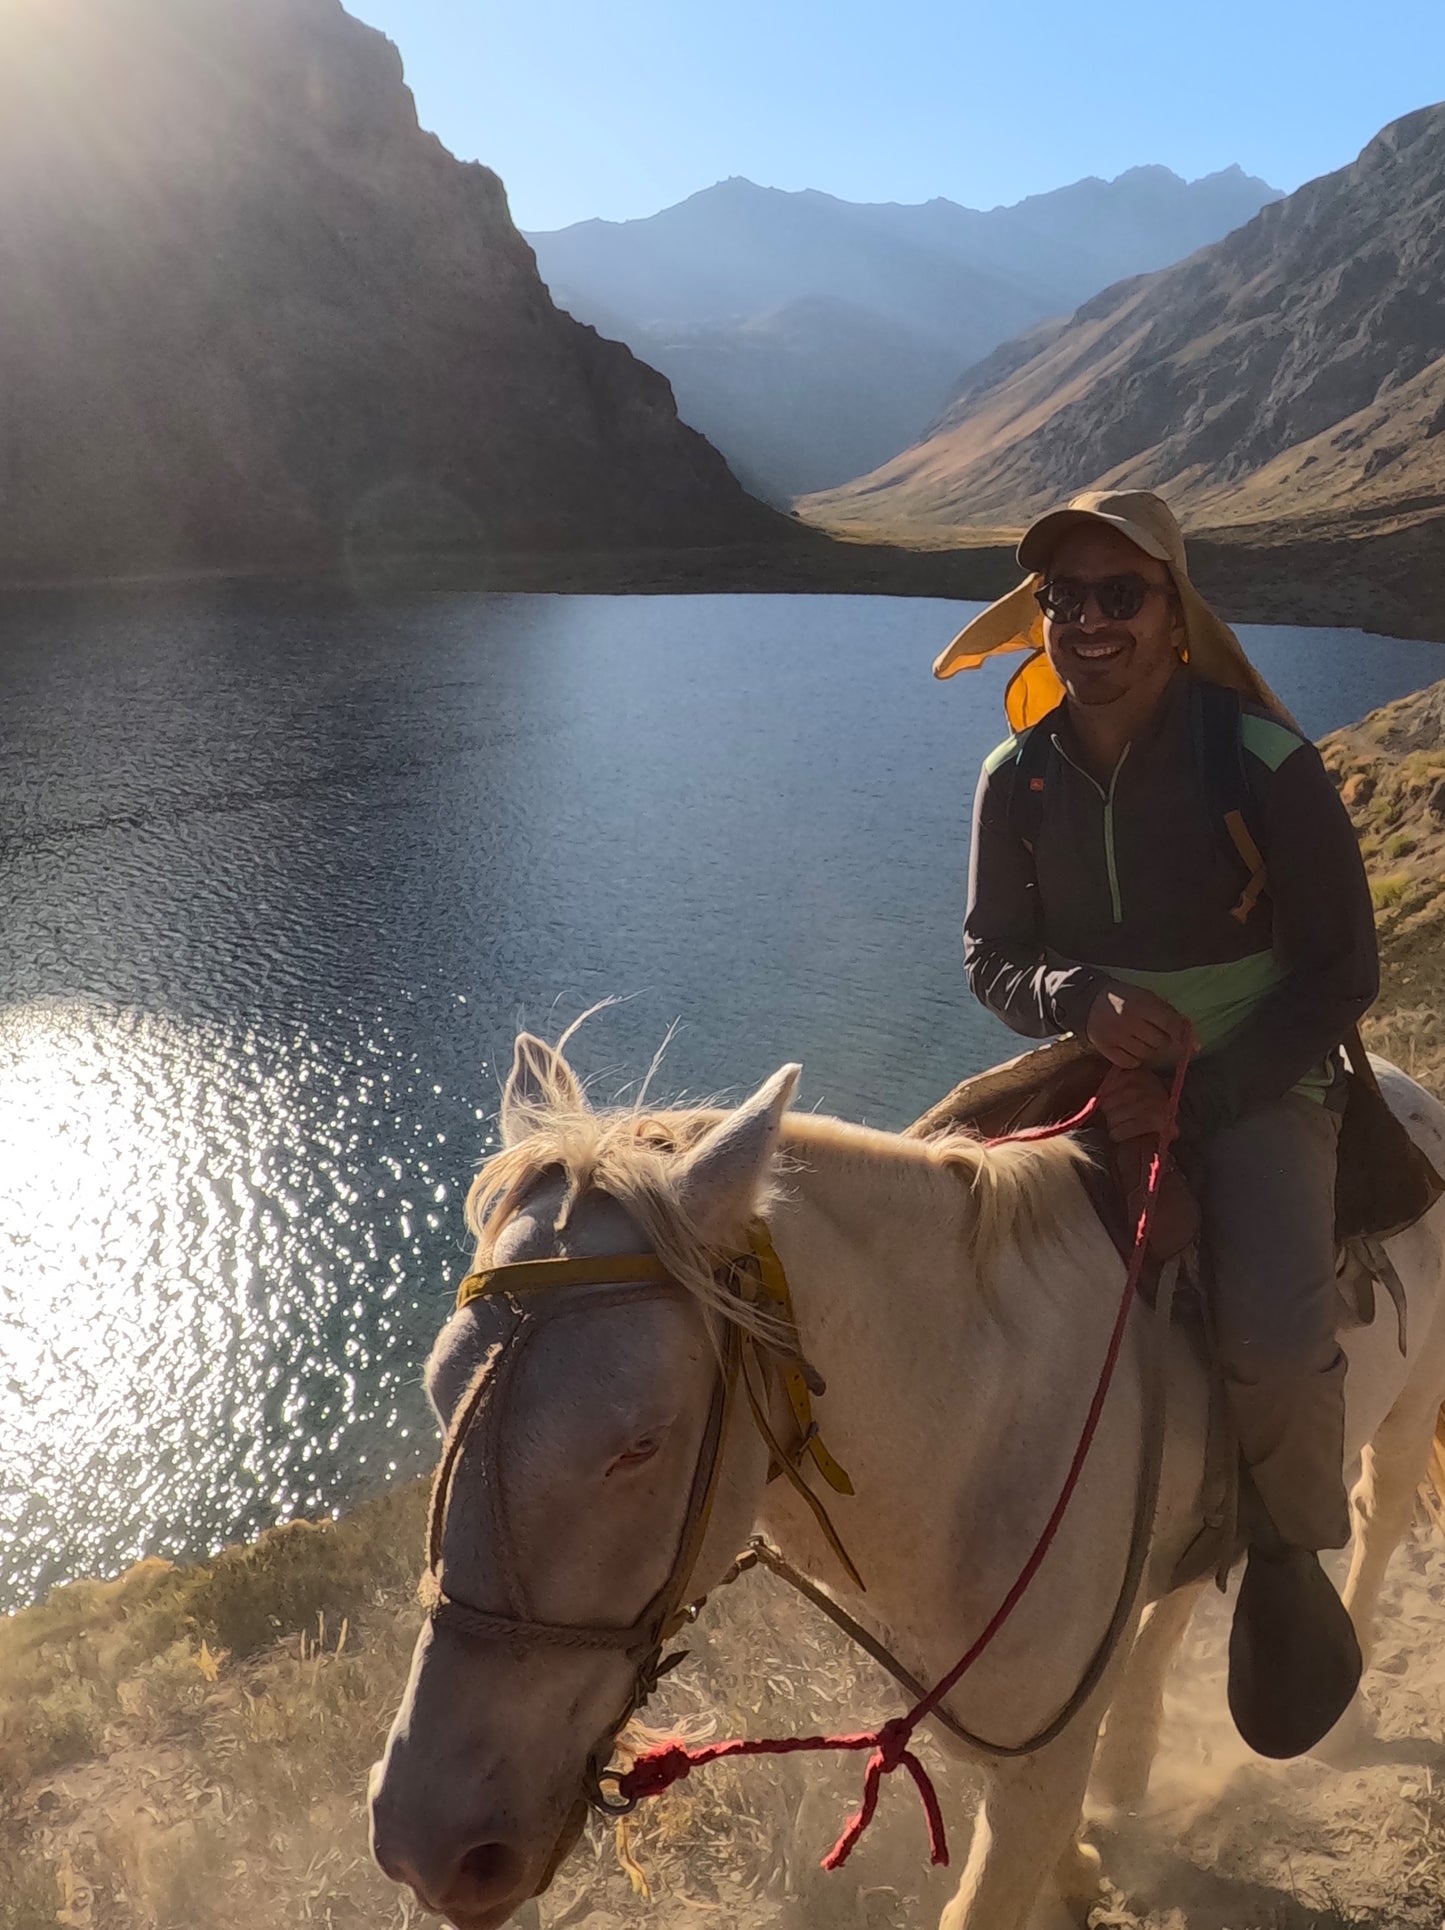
<point x="721" y="1178"/>
<point x="540" y="1081"/>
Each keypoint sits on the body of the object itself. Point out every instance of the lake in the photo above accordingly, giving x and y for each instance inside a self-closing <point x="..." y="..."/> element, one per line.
<point x="283" y="877"/>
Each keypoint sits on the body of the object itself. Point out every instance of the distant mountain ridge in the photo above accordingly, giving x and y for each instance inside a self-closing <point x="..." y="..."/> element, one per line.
<point x="251" y="315"/>
<point x="810" y="337"/>
<point x="1293" y="370"/>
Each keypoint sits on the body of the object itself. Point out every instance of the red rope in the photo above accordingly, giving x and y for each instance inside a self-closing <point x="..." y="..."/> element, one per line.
<point x="1055" y="1130"/>
<point x="658" y="1769"/>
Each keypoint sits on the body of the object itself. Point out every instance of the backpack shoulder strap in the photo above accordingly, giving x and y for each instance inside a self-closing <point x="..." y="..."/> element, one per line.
<point x="1216" y="716"/>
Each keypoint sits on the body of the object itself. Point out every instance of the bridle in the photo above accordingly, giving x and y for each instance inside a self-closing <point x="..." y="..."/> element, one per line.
<point x="540" y="1290"/>
<point x="632" y="1276"/>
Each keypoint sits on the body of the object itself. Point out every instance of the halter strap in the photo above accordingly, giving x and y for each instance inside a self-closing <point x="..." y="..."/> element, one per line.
<point x="626" y="1274"/>
<point x="594" y="1270"/>
<point x="756" y="1274"/>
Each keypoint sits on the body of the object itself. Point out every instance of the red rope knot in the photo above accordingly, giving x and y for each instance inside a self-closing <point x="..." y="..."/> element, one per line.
<point x="655" y="1771"/>
<point x="890" y="1752"/>
<point x="892" y="1744"/>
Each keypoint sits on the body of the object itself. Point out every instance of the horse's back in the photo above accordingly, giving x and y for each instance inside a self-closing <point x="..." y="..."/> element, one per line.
<point x="1419" y="1111"/>
<point x="1379" y="1379"/>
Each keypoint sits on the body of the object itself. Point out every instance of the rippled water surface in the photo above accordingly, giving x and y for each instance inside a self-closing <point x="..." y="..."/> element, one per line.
<point x="281" y="879"/>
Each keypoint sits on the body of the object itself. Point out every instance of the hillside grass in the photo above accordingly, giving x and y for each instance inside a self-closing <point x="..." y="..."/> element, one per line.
<point x="162" y="1779"/>
<point x="181" y="1746"/>
<point x="1391" y="772"/>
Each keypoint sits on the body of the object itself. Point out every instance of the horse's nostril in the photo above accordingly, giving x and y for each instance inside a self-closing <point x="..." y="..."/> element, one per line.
<point x="489" y="1871"/>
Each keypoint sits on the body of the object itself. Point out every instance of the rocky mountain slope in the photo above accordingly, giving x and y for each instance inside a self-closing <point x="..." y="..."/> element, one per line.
<point x="810" y="337"/>
<point x="1391" y="771"/>
<point x="251" y="315"/>
<point x="1293" y="370"/>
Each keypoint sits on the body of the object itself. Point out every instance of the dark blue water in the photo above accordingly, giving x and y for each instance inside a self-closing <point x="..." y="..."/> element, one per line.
<point x="282" y="880"/>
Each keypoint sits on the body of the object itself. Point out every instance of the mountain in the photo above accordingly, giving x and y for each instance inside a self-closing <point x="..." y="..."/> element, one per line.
<point x="811" y="338"/>
<point x="251" y="315"/>
<point x="816" y="388"/>
<point x="1294" y="370"/>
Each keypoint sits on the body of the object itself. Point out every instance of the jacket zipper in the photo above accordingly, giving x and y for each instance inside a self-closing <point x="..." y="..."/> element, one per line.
<point x="1111" y="864"/>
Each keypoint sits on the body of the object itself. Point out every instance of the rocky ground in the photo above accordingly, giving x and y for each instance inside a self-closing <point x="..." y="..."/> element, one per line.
<point x="1376" y="573"/>
<point x="1391" y="770"/>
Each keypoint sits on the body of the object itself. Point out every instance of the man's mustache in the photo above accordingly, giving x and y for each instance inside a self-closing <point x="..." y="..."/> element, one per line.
<point x="1075" y="635"/>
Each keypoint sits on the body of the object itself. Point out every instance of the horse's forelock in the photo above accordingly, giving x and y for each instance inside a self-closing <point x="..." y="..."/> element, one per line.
<point x="632" y="1158"/>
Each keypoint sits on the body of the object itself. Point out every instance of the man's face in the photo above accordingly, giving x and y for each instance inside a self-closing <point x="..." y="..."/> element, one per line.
<point x="1100" y="659"/>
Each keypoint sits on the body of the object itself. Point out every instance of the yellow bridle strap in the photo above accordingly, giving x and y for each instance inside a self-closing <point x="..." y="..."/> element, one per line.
<point x="783" y="1463"/>
<point x="596" y="1270"/>
<point x="646" y="1269"/>
<point x="613" y="1269"/>
<point x="774" y="1283"/>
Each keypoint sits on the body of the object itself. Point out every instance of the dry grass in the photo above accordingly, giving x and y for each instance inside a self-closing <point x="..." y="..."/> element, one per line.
<point x="1389" y="891"/>
<point x="165" y="1783"/>
<point x="228" y="1793"/>
<point x="183" y="1747"/>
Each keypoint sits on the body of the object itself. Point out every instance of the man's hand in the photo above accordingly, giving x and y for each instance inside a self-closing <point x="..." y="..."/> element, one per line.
<point x="1128" y="1025"/>
<point x="1135" y="1105"/>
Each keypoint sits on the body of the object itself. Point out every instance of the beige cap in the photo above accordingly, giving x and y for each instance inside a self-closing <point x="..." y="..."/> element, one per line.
<point x="1015" y="622"/>
<point x="1146" y="519"/>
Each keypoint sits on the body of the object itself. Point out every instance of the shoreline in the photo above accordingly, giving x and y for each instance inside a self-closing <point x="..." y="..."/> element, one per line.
<point x="1388" y="579"/>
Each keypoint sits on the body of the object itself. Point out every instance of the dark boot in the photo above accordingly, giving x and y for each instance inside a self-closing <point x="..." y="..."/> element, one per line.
<point x="1294" y="1660"/>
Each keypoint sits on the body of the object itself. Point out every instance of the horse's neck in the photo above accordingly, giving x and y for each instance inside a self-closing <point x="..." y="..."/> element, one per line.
<point x="943" y="1389"/>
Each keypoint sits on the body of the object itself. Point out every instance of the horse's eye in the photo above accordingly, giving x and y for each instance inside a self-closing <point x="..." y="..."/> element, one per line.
<point x="642" y="1449"/>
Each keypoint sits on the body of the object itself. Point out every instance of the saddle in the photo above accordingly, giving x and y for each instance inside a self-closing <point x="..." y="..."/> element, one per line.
<point x="1384" y="1182"/>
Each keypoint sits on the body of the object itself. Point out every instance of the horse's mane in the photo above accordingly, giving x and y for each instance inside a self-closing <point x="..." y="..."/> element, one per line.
<point x="1011" y="1192"/>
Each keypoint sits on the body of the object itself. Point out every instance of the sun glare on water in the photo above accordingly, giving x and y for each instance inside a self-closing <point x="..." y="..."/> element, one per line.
<point x="193" y="1313"/>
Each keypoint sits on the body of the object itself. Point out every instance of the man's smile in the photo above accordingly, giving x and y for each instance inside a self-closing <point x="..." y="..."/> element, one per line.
<point x="1097" y="649"/>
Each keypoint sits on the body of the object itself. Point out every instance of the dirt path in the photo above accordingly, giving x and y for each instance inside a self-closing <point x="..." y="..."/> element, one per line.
<point x="1234" y="1843"/>
<point x="1228" y="1842"/>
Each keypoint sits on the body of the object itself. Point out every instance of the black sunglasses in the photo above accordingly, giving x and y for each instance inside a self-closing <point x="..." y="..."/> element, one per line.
<point x="1063" y="599"/>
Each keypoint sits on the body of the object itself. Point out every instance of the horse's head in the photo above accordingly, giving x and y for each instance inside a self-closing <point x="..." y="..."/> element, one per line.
<point x="580" y="1432"/>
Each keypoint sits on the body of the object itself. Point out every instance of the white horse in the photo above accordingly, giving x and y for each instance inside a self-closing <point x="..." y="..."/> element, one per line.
<point x="956" y="1301"/>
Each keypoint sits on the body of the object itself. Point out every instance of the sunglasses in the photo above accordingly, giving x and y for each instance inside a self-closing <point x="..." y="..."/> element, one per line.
<point x="1064" y="599"/>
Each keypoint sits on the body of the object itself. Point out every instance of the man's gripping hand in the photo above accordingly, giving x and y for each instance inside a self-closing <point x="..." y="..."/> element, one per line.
<point x="1128" y="1025"/>
<point x="1135" y="1106"/>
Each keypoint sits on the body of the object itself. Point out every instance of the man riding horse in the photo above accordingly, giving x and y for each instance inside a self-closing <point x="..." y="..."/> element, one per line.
<point x="1162" y="866"/>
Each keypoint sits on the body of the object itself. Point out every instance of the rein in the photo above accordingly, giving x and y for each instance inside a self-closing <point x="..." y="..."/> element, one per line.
<point x="889" y="1743"/>
<point x="633" y="1276"/>
<point x="560" y="1283"/>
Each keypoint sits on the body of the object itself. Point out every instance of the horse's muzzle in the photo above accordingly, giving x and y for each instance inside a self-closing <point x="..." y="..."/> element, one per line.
<point x="475" y="1885"/>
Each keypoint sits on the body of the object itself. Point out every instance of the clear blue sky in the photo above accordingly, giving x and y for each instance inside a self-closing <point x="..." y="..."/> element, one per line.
<point x="619" y="107"/>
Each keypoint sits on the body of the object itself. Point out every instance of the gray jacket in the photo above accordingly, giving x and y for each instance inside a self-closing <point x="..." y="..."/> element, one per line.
<point x="1132" y="881"/>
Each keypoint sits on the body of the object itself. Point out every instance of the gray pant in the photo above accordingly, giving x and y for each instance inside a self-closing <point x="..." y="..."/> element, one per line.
<point x="1267" y="1195"/>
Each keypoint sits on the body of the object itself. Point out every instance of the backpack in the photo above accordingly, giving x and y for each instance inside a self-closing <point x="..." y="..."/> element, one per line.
<point x="1216" y="728"/>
